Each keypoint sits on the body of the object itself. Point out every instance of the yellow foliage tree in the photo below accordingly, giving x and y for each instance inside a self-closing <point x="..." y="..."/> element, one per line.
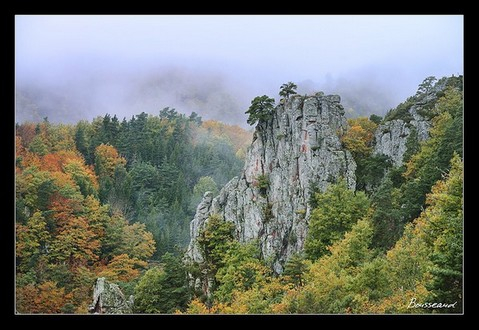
<point x="122" y="268"/>
<point x="359" y="136"/>
<point x="106" y="159"/>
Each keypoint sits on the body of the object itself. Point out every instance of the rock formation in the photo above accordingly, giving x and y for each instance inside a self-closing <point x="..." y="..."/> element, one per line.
<point x="391" y="137"/>
<point x="294" y="152"/>
<point x="108" y="299"/>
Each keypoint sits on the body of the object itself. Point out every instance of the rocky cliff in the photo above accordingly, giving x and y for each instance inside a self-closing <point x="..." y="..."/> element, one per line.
<point x="391" y="137"/>
<point x="297" y="149"/>
<point x="410" y="120"/>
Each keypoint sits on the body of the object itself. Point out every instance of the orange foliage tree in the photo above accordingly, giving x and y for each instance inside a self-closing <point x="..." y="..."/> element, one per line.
<point x="122" y="268"/>
<point x="359" y="136"/>
<point x="46" y="298"/>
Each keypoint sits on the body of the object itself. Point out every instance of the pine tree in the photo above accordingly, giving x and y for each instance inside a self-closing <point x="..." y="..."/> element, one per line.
<point x="295" y="268"/>
<point x="288" y="89"/>
<point x="261" y="109"/>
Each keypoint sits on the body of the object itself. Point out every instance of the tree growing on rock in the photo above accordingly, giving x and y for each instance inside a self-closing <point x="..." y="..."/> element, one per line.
<point x="426" y="86"/>
<point x="260" y="110"/>
<point x="287" y="89"/>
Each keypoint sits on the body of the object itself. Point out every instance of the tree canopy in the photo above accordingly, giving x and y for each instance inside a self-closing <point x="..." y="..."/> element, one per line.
<point x="288" y="89"/>
<point x="261" y="109"/>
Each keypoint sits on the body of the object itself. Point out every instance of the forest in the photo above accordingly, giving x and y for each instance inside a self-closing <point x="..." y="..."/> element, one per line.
<point x="110" y="197"/>
<point x="114" y="199"/>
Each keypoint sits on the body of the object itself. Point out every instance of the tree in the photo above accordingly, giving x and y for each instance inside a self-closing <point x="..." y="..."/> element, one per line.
<point x="75" y="243"/>
<point x="38" y="146"/>
<point x="214" y="240"/>
<point x="163" y="290"/>
<point x="122" y="268"/>
<point x="168" y="113"/>
<point x="426" y="86"/>
<point x="375" y="119"/>
<point x="25" y="298"/>
<point x="445" y="222"/>
<point x="386" y="216"/>
<point x="82" y="140"/>
<point x="121" y="238"/>
<point x="175" y="288"/>
<point x="46" y="298"/>
<point x="204" y="184"/>
<point x="96" y="214"/>
<point x="83" y="176"/>
<point x="261" y="109"/>
<point x="370" y="172"/>
<point x="339" y="208"/>
<point x="359" y="137"/>
<point x="427" y="166"/>
<point x="106" y="160"/>
<point x="426" y="262"/>
<point x="262" y="183"/>
<point x="137" y="242"/>
<point x="295" y="268"/>
<point x="194" y="117"/>
<point x="259" y="299"/>
<point x="242" y="270"/>
<point x="288" y="89"/>
<point x="32" y="241"/>
<point x="148" y="292"/>
<point x="62" y="137"/>
<point x="329" y="282"/>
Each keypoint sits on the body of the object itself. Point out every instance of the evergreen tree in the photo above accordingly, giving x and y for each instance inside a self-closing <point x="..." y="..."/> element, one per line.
<point x="288" y="89"/>
<point x="386" y="216"/>
<point x="261" y="109"/>
<point x="163" y="290"/>
<point x="295" y="268"/>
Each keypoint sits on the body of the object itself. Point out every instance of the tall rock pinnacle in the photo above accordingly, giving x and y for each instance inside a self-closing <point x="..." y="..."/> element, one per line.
<point x="296" y="150"/>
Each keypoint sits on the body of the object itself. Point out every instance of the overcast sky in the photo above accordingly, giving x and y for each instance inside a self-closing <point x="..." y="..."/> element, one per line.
<point x="232" y="58"/>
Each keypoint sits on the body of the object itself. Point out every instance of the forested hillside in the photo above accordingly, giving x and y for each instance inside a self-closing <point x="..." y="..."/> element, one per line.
<point x="114" y="199"/>
<point x="393" y="245"/>
<point x="107" y="197"/>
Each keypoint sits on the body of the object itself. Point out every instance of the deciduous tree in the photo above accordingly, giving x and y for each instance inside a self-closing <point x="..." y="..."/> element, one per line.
<point x="339" y="208"/>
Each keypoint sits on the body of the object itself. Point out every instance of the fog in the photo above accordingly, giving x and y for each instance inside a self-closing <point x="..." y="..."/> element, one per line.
<point x="78" y="67"/>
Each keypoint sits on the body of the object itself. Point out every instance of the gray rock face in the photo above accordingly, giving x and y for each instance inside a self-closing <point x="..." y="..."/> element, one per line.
<point x="108" y="299"/>
<point x="391" y="137"/>
<point x="297" y="148"/>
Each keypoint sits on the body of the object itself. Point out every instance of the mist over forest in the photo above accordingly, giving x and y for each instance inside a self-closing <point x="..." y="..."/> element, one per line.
<point x="170" y="164"/>
<point x="69" y="68"/>
<point x="71" y="97"/>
